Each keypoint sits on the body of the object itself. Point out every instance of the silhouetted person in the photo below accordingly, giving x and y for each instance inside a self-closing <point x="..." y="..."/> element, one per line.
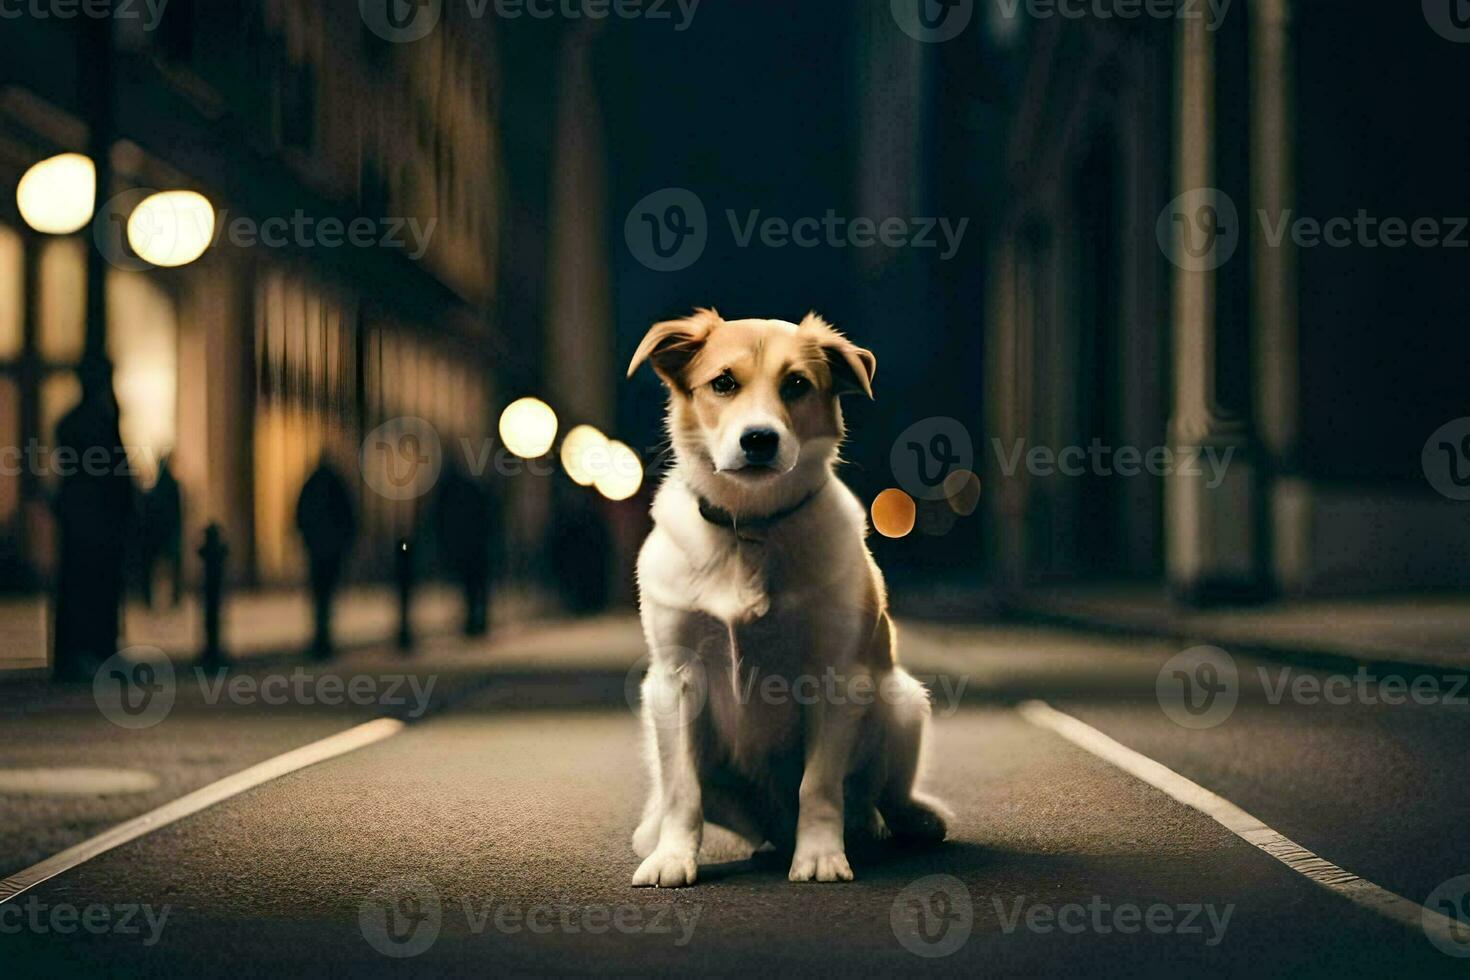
<point x="162" y="534"/>
<point x="466" y="514"/>
<point x="93" y="511"/>
<point x="328" y="525"/>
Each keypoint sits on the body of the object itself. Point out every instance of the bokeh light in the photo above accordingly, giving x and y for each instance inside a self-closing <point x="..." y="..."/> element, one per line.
<point x="528" y="427"/>
<point x="623" y="474"/>
<point x="962" y="490"/>
<point x="172" y="228"/>
<point x="893" y="513"/>
<point x="58" y="195"/>
<point x="584" y="454"/>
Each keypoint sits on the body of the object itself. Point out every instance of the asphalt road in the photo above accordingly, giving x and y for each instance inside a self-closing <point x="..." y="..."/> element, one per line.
<point x="491" y="835"/>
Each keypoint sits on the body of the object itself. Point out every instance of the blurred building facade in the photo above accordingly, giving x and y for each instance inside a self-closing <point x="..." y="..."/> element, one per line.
<point x="1321" y="369"/>
<point x="253" y="362"/>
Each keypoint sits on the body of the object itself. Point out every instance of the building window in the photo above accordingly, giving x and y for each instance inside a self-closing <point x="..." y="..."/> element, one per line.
<point x="12" y="293"/>
<point x="143" y="343"/>
<point x="62" y="304"/>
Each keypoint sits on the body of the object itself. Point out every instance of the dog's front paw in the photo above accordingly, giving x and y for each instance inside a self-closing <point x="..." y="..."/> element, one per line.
<point x="820" y="866"/>
<point x="666" y="869"/>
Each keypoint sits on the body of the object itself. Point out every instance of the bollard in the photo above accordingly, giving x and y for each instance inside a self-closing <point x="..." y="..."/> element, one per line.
<point x="213" y="552"/>
<point x="403" y="570"/>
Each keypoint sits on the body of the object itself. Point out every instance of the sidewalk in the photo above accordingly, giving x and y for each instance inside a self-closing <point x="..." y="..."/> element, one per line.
<point x="257" y="623"/>
<point x="1432" y="630"/>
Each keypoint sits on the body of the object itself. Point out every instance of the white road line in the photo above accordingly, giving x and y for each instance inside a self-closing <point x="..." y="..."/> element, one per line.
<point x="1240" y="823"/>
<point x="308" y="755"/>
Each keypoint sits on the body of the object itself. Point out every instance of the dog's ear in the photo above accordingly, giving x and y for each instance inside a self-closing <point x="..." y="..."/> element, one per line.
<point x="668" y="346"/>
<point x="852" y="366"/>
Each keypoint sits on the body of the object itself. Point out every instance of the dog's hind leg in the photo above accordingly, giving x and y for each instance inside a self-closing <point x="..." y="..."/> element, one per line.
<point x="908" y="814"/>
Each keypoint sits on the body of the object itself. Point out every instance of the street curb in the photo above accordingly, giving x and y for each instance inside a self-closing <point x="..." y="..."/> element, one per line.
<point x="1337" y="661"/>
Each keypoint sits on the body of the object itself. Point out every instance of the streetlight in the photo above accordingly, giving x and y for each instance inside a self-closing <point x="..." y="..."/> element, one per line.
<point x="58" y="195"/>
<point x="528" y="427"/>
<point x="582" y="453"/>
<point x="171" y="228"/>
<point x="893" y="513"/>
<point x="623" y="473"/>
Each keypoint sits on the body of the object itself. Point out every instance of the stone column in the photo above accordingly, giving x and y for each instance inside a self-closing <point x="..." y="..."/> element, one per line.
<point x="1277" y="358"/>
<point x="1211" y="498"/>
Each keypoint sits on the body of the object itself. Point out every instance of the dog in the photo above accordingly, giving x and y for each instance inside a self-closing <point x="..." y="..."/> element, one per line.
<point x="773" y="705"/>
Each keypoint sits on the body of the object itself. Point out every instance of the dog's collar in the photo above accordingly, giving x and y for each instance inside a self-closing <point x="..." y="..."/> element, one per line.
<point x="720" y="517"/>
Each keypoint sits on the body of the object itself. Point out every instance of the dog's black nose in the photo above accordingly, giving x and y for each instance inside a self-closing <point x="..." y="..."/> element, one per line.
<point x="760" y="445"/>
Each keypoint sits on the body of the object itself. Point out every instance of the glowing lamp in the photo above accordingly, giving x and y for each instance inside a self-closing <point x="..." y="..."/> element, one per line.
<point x="58" y="195"/>
<point x="583" y="453"/>
<point x="528" y="427"/>
<point x="623" y="474"/>
<point x="893" y="513"/>
<point x="172" y="228"/>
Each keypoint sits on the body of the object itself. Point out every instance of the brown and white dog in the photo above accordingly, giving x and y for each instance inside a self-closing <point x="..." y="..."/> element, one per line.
<point x="773" y="704"/>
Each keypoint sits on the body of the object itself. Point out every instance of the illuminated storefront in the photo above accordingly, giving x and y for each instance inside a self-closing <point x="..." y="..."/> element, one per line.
<point x="249" y="362"/>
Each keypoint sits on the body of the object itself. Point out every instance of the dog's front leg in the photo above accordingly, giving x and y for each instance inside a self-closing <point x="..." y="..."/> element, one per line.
<point x="831" y="734"/>
<point x="670" y="704"/>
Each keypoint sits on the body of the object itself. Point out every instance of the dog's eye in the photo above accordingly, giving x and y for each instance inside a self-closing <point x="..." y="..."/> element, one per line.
<point x="794" y="386"/>
<point x="724" y="384"/>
